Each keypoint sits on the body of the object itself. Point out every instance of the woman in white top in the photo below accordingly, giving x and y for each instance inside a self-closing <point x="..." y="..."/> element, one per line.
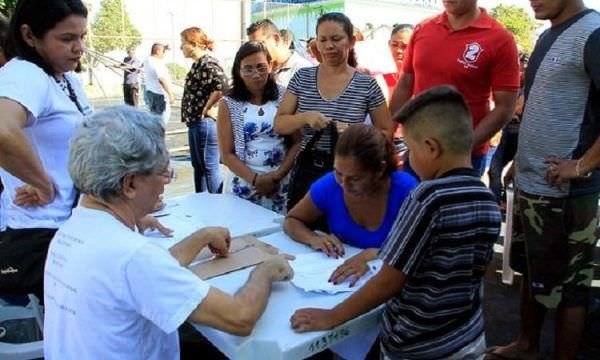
<point x="41" y="104"/>
<point x="259" y="158"/>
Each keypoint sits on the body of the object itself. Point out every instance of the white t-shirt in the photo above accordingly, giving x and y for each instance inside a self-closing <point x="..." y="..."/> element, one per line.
<point x="154" y="69"/>
<point x="111" y="293"/>
<point x="51" y="121"/>
<point x="284" y="74"/>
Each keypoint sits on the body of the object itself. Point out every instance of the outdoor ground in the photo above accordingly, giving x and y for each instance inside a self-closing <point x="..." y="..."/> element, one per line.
<point x="501" y="306"/>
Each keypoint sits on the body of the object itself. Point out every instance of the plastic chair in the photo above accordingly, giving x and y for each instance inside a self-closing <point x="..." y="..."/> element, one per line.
<point x="27" y="350"/>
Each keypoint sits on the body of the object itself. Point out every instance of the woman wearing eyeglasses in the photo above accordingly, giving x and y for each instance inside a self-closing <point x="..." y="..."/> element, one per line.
<point x="259" y="158"/>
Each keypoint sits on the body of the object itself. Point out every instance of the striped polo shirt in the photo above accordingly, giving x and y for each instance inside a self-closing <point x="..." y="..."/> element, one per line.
<point x="361" y="96"/>
<point x="442" y="241"/>
<point x="562" y="105"/>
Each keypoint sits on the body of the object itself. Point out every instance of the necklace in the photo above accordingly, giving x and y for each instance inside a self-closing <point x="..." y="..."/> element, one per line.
<point x="66" y="87"/>
<point x="93" y="203"/>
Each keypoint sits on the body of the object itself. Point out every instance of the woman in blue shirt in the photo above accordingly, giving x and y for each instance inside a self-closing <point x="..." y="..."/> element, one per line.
<point x="360" y="199"/>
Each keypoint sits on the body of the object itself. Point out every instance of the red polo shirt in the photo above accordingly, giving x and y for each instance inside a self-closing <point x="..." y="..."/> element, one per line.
<point x="477" y="60"/>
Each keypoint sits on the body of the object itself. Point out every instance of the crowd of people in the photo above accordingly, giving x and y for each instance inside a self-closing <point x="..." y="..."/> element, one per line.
<point x="391" y="164"/>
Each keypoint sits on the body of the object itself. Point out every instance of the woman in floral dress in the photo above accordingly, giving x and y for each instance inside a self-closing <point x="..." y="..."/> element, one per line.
<point x="259" y="158"/>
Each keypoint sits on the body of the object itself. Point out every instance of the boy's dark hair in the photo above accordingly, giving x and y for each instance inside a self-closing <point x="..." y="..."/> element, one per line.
<point x="266" y="25"/>
<point x="401" y="27"/>
<point x="346" y="25"/>
<point x="239" y="91"/>
<point x="368" y="147"/>
<point x="440" y="112"/>
<point x="41" y="17"/>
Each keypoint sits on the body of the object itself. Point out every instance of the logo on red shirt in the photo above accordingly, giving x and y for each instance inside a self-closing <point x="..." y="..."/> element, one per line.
<point x="471" y="55"/>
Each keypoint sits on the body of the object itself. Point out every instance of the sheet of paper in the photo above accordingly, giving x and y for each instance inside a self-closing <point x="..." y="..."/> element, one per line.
<point x="312" y="272"/>
<point x="182" y="226"/>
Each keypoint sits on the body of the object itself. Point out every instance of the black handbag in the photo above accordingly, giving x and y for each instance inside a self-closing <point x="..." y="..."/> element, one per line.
<point x="311" y="163"/>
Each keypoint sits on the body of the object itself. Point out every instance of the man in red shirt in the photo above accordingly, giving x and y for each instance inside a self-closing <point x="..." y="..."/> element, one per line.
<point x="466" y="48"/>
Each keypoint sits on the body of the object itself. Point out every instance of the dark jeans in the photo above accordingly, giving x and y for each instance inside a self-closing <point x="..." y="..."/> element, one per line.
<point x="157" y="103"/>
<point x="505" y="153"/>
<point x="204" y="150"/>
<point x="131" y="94"/>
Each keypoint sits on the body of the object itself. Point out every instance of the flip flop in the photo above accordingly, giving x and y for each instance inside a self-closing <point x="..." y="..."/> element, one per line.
<point x="490" y="354"/>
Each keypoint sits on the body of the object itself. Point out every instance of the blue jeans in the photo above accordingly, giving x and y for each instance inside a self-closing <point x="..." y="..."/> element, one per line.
<point x="204" y="150"/>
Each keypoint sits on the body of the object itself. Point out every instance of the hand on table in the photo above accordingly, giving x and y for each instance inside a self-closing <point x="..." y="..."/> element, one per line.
<point x="217" y="238"/>
<point x="354" y="267"/>
<point x="310" y="319"/>
<point x="329" y="244"/>
<point x="277" y="268"/>
<point x="149" y="222"/>
<point x="29" y="196"/>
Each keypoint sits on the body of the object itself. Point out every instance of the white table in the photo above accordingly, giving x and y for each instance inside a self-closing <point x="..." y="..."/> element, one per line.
<point x="273" y="337"/>
<point x="191" y="212"/>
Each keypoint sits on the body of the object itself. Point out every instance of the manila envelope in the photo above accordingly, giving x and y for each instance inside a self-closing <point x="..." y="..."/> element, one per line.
<point x="244" y="251"/>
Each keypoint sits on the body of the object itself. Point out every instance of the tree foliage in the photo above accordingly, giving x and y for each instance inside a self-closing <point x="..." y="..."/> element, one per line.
<point x="517" y="21"/>
<point x="7" y="7"/>
<point x="112" y="28"/>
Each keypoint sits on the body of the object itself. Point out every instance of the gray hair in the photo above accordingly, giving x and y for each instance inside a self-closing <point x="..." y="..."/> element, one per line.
<point x="112" y="144"/>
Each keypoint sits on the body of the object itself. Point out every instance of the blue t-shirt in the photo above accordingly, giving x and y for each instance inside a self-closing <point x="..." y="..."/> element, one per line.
<point x="328" y="197"/>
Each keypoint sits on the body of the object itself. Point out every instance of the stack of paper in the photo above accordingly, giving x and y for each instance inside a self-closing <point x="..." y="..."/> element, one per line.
<point x="312" y="272"/>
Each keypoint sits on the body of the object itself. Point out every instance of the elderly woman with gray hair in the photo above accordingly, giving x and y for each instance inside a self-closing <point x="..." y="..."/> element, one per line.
<point x="101" y="271"/>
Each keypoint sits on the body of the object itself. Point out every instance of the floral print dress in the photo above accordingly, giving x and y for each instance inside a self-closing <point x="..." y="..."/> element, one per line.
<point x="265" y="151"/>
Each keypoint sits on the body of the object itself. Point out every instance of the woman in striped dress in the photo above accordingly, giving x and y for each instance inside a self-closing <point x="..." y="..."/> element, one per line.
<point x="331" y="91"/>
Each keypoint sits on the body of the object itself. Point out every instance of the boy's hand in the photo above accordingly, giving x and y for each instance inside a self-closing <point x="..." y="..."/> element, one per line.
<point x="311" y="319"/>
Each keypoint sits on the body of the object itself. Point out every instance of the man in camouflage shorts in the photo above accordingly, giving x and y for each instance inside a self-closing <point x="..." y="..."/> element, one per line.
<point x="556" y="179"/>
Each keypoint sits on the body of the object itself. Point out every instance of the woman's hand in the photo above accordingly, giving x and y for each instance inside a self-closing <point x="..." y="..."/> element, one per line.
<point x="329" y="244"/>
<point x="267" y="184"/>
<point x="316" y="120"/>
<point x="354" y="267"/>
<point x="29" y="196"/>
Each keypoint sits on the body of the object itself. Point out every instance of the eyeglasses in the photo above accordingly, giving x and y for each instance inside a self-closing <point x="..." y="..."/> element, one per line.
<point x="248" y="70"/>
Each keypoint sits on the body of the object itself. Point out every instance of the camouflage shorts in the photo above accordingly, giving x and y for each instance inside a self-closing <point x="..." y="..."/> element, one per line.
<point x="553" y="246"/>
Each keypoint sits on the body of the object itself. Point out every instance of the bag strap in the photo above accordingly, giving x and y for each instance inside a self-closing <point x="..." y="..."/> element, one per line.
<point x="317" y="135"/>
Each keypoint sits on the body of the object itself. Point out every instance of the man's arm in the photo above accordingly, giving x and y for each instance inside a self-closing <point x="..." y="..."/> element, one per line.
<point x="238" y="314"/>
<point x="167" y="88"/>
<point x="387" y="283"/>
<point x="402" y="93"/>
<point x="505" y="102"/>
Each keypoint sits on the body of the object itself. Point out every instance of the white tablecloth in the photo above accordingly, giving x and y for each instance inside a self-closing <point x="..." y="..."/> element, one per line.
<point x="273" y="337"/>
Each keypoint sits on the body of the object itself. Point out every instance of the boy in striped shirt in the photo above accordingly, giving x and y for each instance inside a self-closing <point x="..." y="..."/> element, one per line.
<point x="436" y="253"/>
